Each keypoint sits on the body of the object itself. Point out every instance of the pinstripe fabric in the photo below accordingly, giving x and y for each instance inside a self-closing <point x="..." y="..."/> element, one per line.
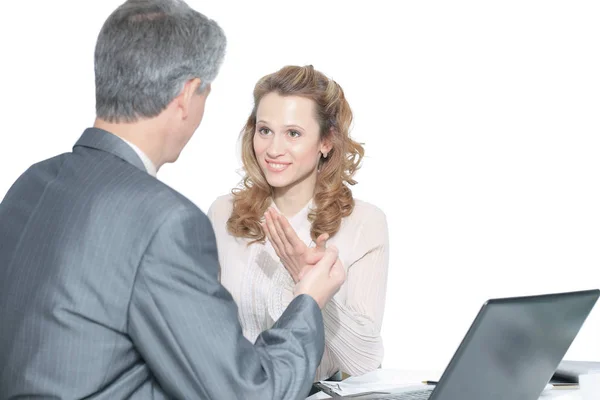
<point x="109" y="290"/>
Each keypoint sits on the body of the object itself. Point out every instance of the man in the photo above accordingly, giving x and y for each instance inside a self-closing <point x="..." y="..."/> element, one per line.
<point x="108" y="278"/>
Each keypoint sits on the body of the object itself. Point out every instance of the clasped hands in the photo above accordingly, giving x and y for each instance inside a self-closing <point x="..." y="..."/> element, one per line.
<point x="317" y="271"/>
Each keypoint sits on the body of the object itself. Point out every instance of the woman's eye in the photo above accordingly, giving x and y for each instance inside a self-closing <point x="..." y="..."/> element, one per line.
<point x="264" y="131"/>
<point x="294" y="134"/>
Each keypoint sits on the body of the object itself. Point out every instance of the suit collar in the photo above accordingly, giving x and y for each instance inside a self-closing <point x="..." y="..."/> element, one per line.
<point x="100" y="139"/>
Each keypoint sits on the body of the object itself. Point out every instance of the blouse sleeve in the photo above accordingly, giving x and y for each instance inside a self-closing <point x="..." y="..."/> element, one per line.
<point x="352" y="328"/>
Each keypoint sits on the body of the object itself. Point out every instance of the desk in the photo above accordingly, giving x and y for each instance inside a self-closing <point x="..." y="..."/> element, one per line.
<point x="392" y="378"/>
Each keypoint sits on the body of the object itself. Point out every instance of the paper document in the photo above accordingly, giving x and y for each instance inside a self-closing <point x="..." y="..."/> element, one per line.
<point x="386" y="379"/>
<point x="377" y="381"/>
<point x="560" y="395"/>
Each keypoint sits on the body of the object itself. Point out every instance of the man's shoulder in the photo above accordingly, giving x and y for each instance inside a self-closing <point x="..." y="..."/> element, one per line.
<point x="170" y="198"/>
<point x="168" y="201"/>
<point x="50" y="165"/>
<point x="122" y="186"/>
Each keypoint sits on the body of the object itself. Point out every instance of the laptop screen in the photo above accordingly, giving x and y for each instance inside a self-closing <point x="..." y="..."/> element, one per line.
<point x="514" y="346"/>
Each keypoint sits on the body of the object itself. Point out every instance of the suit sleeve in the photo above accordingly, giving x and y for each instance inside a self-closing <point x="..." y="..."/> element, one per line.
<point x="185" y="324"/>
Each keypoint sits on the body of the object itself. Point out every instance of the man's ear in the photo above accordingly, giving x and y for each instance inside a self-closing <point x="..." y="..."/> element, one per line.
<point x="184" y="99"/>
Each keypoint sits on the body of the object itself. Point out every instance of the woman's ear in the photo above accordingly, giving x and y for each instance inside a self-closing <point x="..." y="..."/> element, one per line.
<point x="326" y="144"/>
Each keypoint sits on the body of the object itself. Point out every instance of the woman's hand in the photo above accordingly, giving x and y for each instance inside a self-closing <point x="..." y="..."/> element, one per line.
<point x="295" y="255"/>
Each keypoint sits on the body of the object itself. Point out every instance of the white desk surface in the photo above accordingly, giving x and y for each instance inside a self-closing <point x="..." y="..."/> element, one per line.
<point x="392" y="378"/>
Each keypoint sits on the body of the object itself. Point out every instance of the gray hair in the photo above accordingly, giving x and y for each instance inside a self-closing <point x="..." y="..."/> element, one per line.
<point x="146" y="51"/>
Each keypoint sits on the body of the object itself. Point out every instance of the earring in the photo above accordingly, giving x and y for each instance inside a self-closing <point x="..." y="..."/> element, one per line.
<point x="324" y="155"/>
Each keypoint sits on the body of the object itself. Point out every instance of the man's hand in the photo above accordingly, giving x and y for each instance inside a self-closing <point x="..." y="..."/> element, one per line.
<point x="295" y="255"/>
<point x="323" y="280"/>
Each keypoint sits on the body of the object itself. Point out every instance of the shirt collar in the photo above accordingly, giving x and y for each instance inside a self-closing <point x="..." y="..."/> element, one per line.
<point x="145" y="159"/>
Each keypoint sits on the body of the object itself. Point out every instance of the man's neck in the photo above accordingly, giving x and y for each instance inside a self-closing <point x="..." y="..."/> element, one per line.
<point x="141" y="134"/>
<point x="148" y="164"/>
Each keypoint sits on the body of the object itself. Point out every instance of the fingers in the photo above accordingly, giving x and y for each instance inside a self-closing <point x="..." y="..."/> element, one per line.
<point x="271" y="232"/>
<point x="291" y="237"/>
<point x="322" y="241"/>
<point x="314" y="257"/>
<point x="302" y="273"/>
<point x="323" y="281"/>
<point x="277" y="222"/>
<point x="328" y="260"/>
<point x="337" y="271"/>
<point x="318" y="251"/>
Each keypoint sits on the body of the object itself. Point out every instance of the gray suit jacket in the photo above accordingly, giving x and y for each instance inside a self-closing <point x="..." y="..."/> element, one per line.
<point x="109" y="290"/>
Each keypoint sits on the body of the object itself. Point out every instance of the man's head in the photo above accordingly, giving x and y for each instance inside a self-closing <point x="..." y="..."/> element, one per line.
<point x="155" y="60"/>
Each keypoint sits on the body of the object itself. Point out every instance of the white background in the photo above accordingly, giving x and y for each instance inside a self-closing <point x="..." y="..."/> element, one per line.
<point x="480" y="122"/>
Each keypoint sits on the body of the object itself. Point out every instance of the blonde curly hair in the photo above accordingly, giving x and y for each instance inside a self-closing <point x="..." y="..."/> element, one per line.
<point x="332" y="197"/>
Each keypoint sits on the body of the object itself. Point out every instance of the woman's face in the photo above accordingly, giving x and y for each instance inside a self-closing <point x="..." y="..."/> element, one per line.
<point x="287" y="141"/>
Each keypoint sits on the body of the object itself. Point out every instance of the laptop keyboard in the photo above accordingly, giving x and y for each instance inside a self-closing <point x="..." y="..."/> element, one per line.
<point x="413" y="395"/>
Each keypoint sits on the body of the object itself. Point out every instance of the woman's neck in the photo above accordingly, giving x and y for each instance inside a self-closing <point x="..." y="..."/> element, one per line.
<point x="289" y="202"/>
<point x="293" y="198"/>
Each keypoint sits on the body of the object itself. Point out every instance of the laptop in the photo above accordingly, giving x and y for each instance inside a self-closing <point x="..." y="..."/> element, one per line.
<point x="510" y="352"/>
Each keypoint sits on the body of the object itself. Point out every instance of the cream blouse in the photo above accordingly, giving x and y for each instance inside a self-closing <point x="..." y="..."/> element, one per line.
<point x="262" y="287"/>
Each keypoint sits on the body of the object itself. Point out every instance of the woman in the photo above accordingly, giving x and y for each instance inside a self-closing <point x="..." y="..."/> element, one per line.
<point x="299" y="159"/>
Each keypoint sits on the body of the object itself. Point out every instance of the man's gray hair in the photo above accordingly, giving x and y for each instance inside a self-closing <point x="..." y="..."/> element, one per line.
<point x="146" y="51"/>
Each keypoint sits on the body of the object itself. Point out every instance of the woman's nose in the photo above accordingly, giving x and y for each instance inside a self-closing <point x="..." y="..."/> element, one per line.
<point x="276" y="147"/>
